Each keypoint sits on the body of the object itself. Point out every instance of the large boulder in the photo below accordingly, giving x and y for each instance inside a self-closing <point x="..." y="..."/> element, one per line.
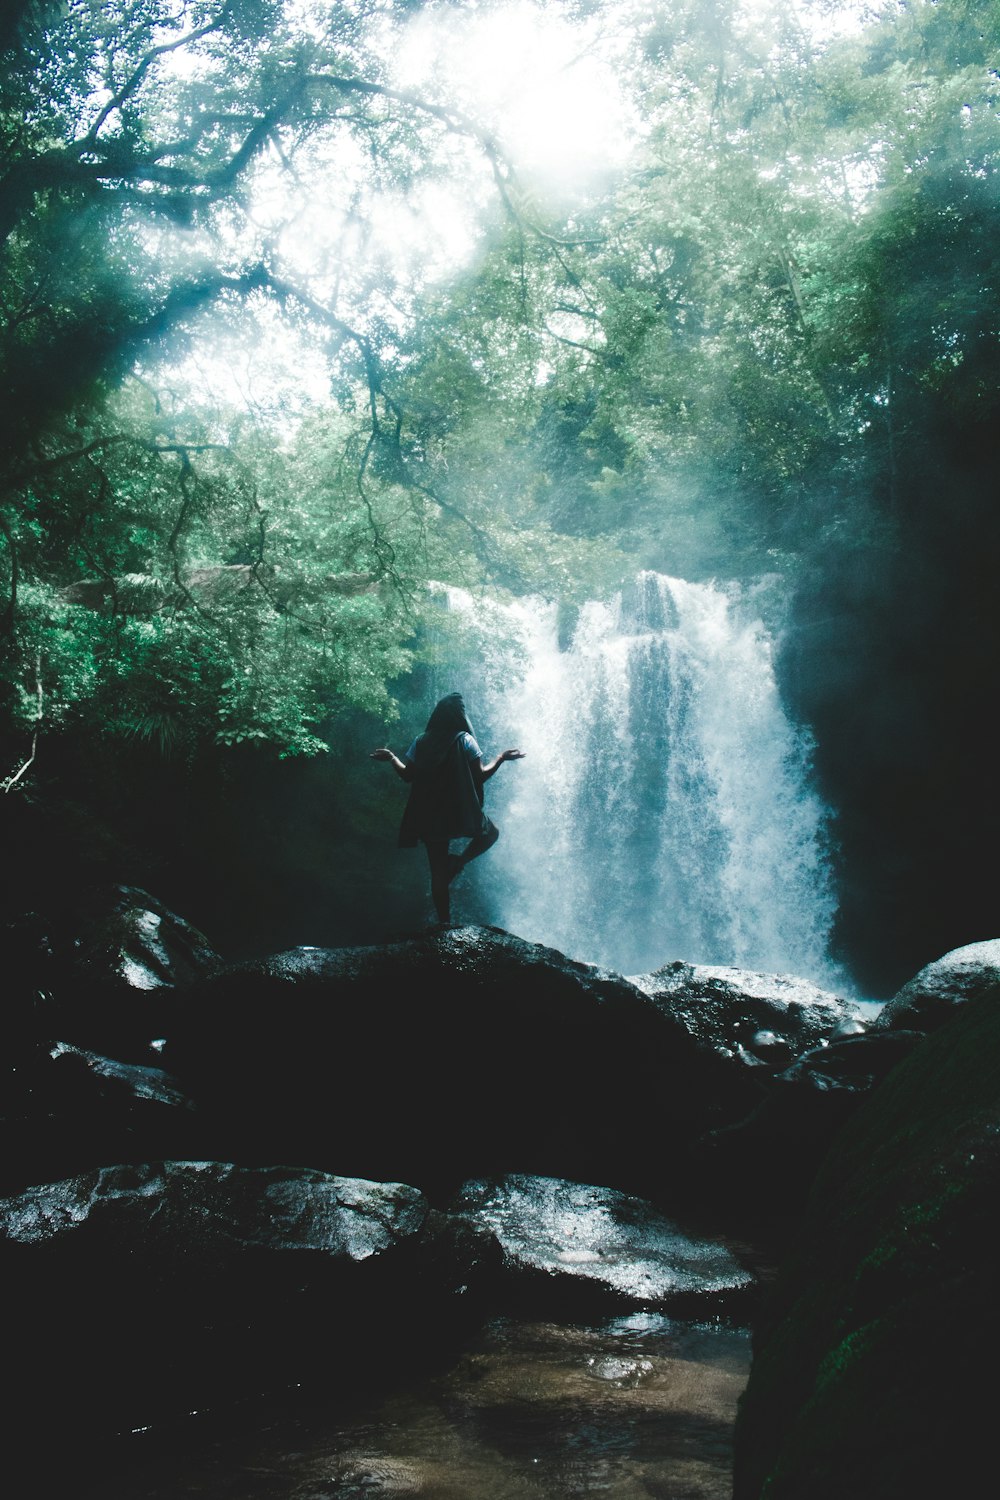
<point x="65" y="1110"/>
<point x="136" y="941"/>
<point x="873" y="1352"/>
<point x="768" y="1160"/>
<point x="931" y="997"/>
<point x="570" y="1245"/>
<point x="748" y="1021"/>
<point x="454" y="1054"/>
<point x="129" y="955"/>
<point x="137" y="1293"/>
<point x="99" y="971"/>
<point x="88" y="987"/>
<point x="791" y="1058"/>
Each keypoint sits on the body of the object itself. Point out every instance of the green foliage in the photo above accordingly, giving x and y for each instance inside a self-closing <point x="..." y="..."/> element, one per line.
<point x="772" y="331"/>
<point x="739" y="344"/>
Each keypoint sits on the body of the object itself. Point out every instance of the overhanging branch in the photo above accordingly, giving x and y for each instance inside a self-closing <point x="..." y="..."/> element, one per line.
<point x="143" y="66"/>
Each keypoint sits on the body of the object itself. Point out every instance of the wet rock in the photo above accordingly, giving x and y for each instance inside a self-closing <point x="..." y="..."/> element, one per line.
<point x="81" y="1084"/>
<point x="570" y="1240"/>
<point x="440" y="1058"/>
<point x="767" y="1047"/>
<point x="400" y="1062"/>
<point x="931" y="997"/>
<point x="137" y="1292"/>
<point x="771" y="1157"/>
<point x="748" y="1019"/>
<point x="873" y="1351"/>
<point x="65" y="1110"/>
<point x="214" y="1208"/>
<point x="851" y="1064"/>
<point x="141" y="944"/>
<point x="746" y="1029"/>
<point x="129" y="955"/>
<point x="110" y="1078"/>
<point x="100" y="971"/>
<point x="850" y="1026"/>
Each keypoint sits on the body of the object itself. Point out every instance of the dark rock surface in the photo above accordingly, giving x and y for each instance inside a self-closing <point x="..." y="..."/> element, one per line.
<point x="791" y="1062"/>
<point x="160" y="1254"/>
<point x="129" y="957"/>
<point x="768" y="1160"/>
<point x="451" y="1054"/>
<point x="448" y="1055"/>
<point x="930" y="997"/>
<point x="850" y="1064"/>
<point x="747" y="1022"/>
<point x="574" y="1242"/>
<point x="100" y="972"/>
<point x="726" y="1008"/>
<point x="872" y="1354"/>
<point x="65" y="1110"/>
<point x="138" y="942"/>
<point x="134" y="1293"/>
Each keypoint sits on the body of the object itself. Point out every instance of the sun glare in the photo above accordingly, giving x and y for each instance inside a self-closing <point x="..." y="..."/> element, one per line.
<point x="547" y="88"/>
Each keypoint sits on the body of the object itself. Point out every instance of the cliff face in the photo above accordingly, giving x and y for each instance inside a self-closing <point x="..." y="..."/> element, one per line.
<point x="869" y="1375"/>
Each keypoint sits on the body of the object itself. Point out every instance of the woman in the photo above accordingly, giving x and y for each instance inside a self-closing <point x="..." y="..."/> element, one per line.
<point x="445" y="771"/>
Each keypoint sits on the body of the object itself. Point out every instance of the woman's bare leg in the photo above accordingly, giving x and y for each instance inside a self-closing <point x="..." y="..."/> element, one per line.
<point x="473" y="849"/>
<point x="440" y="866"/>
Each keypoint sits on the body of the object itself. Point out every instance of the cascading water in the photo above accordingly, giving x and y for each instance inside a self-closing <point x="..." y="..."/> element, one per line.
<point x="664" y="809"/>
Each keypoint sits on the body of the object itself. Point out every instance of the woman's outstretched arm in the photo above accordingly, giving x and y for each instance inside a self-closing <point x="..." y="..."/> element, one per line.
<point x="486" y="771"/>
<point x="401" y="768"/>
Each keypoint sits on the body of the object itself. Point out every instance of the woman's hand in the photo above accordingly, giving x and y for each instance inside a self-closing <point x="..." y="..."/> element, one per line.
<point x="400" y="767"/>
<point x="483" y="773"/>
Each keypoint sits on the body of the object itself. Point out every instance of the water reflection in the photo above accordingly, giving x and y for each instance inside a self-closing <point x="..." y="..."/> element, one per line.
<point x="640" y="1406"/>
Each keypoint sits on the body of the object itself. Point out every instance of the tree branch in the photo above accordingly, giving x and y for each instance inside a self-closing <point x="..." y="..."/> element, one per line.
<point x="561" y="338"/>
<point x="98" y="445"/>
<point x="13" y="779"/>
<point x="92" y="162"/>
<point x="143" y="66"/>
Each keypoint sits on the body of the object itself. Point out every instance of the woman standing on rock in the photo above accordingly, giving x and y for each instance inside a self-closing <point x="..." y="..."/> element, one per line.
<point x="445" y="771"/>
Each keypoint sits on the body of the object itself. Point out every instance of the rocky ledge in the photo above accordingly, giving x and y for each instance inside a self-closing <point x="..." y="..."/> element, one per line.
<point x="219" y="1178"/>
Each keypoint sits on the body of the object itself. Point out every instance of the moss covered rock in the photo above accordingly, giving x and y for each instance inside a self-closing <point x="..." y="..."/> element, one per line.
<point x="872" y="1360"/>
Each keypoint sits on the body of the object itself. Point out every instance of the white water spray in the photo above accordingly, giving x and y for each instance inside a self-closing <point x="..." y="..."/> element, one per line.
<point x="665" y="808"/>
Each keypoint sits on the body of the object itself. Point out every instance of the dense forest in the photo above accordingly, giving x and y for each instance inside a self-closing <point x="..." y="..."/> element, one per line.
<point x="296" y="326"/>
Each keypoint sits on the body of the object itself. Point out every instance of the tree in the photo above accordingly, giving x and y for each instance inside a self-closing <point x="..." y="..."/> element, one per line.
<point x="134" y="139"/>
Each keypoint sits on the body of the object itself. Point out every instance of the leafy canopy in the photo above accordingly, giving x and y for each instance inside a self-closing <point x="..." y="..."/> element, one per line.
<point x="758" y="334"/>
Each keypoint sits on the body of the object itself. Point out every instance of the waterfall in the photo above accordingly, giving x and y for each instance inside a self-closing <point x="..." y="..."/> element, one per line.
<point x="665" y="807"/>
